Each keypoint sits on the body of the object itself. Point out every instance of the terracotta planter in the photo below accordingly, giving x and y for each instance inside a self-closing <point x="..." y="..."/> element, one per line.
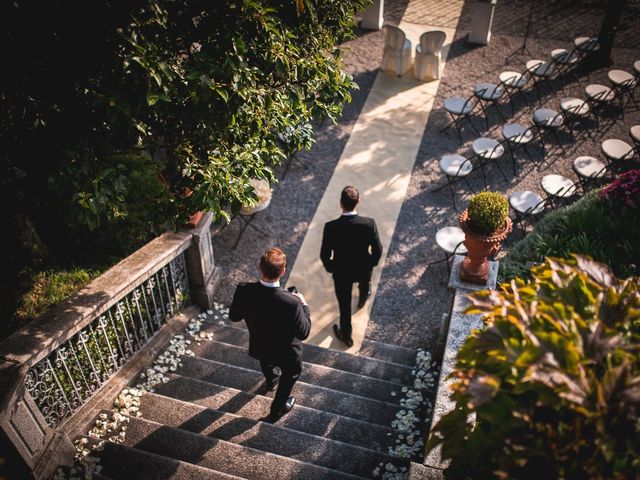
<point x="194" y="220"/>
<point x="475" y="267"/>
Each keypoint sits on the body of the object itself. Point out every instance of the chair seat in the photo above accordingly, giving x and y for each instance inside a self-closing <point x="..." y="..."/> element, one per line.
<point x="539" y="68"/>
<point x="488" y="91"/>
<point x="513" y="79"/>
<point x="588" y="167"/>
<point x="457" y="105"/>
<point x="600" y="93"/>
<point x="621" y="78"/>
<point x="634" y="133"/>
<point x="526" y="202"/>
<point x="558" y="186"/>
<point x="448" y="238"/>
<point x="545" y="117"/>
<point x="636" y="67"/>
<point x="450" y="165"/>
<point x="517" y="133"/>
<point x="488" y="148"/>
<point x="615" y="149"/>
<point x="574" y="106"/>
<point x="564" y="56"/>
<point x="587" y="44"/>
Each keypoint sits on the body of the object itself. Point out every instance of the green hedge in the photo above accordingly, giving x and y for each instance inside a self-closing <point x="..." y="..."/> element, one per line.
<point x="607" y="231"/>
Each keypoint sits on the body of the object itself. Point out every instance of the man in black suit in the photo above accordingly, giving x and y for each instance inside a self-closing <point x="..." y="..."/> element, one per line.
<point x="350" y="249"/>
<point x="277" y="321"/>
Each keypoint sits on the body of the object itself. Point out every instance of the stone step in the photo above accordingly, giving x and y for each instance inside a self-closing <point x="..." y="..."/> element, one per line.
<point x="125" y="463"/>
<point x="264" y="436"/>
<point x="311" y="373"/>
<point x="220" y="455"/>
<point x="388" y="352"/>
<point x="362" y="365"/>
<point x="385" y="352"/>
<point x="256" y="407"/>
<point x="313" y="396"/>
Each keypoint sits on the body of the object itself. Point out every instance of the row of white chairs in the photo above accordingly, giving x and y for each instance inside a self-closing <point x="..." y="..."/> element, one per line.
<point x="528" y="205"/>
<point x="513" y="82"/>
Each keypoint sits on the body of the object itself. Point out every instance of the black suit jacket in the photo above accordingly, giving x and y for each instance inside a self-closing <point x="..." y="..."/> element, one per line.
<point x="350" y="246"/>
<point x="276" y="319"/>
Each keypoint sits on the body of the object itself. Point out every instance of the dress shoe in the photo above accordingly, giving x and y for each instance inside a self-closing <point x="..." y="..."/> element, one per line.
<point x="277" y="414"/>
<point x="363" y="300"/>
<point x="342" y="337"/>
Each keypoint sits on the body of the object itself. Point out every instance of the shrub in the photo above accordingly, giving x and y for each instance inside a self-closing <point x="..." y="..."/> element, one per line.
<point x="605" y="229"/>
<point x="487" y="212"/>
<point x="553" y="379"/>
<point x="624" y="189"/>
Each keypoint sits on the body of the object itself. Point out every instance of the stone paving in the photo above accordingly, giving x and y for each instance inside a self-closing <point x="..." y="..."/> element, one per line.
<point x="412" y="296"/>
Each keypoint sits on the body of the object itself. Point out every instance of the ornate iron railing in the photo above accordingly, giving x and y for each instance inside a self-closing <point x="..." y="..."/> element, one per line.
<point x="63" y="381"/>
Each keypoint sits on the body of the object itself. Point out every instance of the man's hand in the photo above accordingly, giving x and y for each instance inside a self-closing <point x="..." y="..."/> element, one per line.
<point x="301" y="297"/>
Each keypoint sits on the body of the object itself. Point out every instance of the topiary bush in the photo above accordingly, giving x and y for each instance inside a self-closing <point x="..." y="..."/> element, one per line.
<point x="487" y="212"/>
<point x="553" y="379"/>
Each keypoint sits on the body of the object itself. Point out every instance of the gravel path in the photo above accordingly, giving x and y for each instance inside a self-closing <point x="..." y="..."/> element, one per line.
<point x="412" y="297"/>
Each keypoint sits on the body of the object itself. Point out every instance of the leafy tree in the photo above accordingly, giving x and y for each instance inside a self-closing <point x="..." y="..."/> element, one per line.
<point x="553" y="380"/>
<point x="200" y="89"/>
<point x="118" y="119"/>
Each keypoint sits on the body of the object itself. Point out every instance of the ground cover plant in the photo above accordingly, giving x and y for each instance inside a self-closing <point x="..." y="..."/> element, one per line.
<point x="553" y="380"/>
<point x="604" y="224"/>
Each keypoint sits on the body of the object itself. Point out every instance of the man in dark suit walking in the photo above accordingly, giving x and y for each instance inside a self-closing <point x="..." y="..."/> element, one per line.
<point x="350" y="249"/>
<point x="277" y="321"/>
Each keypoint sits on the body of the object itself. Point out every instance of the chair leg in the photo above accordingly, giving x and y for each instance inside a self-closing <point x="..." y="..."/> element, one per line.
<point x="496" y="161"/>
<point x="512" y="150"/>
<point x="497" y="104"/>
<point x="510" y="96"/>
<point x="486" y="114"/>
<point x="453" y="193"/>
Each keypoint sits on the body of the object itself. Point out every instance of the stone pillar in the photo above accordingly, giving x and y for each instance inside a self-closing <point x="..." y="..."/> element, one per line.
<point x="481" y="21"/>
<point x="204" y="276"/>
<point x="373" y="16"/>
<point x="22" y="424"/>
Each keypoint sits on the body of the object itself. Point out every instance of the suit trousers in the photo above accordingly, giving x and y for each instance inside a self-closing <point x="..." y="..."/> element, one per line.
<point x="289" y="373"/>
<point x="343" y="286"/>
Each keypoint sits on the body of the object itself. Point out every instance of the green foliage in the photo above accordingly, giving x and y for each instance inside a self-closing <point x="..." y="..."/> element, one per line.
<point x="48" y="288"/>
<point x="605" y="229"/>
<point x="118" y="188"/>
<point x="553" y="379"/>
<point x="487" y="212"/>
<point x="206" y="86"/>
<point x="107" y="122"/>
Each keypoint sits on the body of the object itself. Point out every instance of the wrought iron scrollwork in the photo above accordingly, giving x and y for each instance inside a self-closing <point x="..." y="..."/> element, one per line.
<point x="60" y="383"/>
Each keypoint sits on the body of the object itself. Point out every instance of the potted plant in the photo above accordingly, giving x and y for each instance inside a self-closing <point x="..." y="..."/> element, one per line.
<point x="486" y="224"/>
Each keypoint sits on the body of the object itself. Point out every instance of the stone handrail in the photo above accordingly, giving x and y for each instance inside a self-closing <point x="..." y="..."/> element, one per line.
<point x="54" y="365"/>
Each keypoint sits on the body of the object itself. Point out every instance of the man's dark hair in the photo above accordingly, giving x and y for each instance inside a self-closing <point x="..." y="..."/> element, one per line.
<point x="272" y="263"/>
<point x="349" y="198"/>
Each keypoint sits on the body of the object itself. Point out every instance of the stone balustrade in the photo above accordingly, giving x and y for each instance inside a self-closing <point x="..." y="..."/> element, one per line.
<point x="53" y="366"/>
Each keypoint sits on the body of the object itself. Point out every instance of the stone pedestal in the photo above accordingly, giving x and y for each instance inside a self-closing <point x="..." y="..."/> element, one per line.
<point x="481" y="21"/>
<point x="455" y="281"/>
<point x="373" y="16"/>
<point x="204" y="276"/>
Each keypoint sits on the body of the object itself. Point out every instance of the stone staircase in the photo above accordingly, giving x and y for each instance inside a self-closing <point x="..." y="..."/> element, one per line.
<point x="208" y="421"/>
